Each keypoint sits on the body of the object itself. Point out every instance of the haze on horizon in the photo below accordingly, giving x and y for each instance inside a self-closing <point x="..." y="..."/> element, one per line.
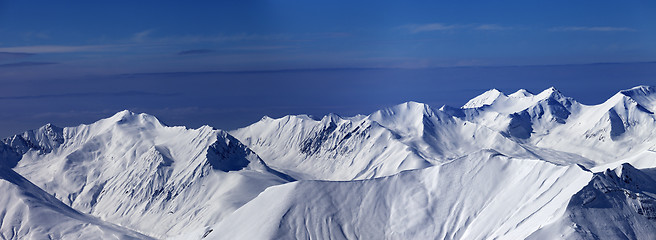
<point x="229" y="64"/>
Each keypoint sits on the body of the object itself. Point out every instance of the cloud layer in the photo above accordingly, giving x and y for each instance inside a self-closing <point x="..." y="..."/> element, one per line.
<point x="592" y="29"/>
<point x="195" y="51"/>
<point x="53" y="49"/>
<point x="431" y="27"/>
<point x="25" y="64"/>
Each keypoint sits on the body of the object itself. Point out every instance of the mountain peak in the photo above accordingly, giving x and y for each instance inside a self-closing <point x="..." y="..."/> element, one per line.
<point x="549" y="92"/>
<point x="405" y="118"/>
<point x="122" y="114"/>
<point x="129" y="117"/>
<point x="407" y="108"/>
<point x="645" y="96"/>
<point x="521" y="93"/>
<point x="50" y="129"/>
<point x="487" y="98"/>
<point x="639" y="90"/>
<point x="516" y="102"/>
<point x="413" y="104"/>
<point x="331" y="117"/>
<point x="43" y="139"/>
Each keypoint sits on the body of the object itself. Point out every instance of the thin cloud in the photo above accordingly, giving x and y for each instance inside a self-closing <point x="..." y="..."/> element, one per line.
<point x="36" y="35"/>
<point x="138" y="40"/>
<point x="492" y="27"/>
<point x="13" y="55"/>
<point x="221" y="38"/>
<point x="25" y="64"/>
<point x="418" y="28"/>
<point x="259" y="48"/>
<point x="239" y="48"/>
<point x="432" y="27"/>
<point x="90" y="94"/>
<point x="195" y="52"/>
<point x="55" y="49"/>
<point x="591" y="29"/>
<point x="141" y="36"/>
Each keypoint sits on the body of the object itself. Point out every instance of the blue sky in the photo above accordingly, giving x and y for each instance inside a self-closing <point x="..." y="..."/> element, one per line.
<point x="220" y="61"/>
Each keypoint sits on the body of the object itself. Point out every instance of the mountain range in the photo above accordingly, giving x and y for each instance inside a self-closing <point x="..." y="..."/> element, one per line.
<point x="516" y="166"/>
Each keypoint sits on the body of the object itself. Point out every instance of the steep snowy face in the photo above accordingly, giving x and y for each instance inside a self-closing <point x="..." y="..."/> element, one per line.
<point x="618" y="128"/>
<point x="42" y="140"/>
<point x="550" y="111"/>
<point x="496" y="101"/>
<point x="332" y="148"/>
<point x="481" y="196"/>
<point x="132" y="170"/>
<point x="407" y="136"/>
<point x="522" y="115"/>
<point x="440" y="136"/>
<point x="30" y="213"/>
<point x="487" y="98"/>
<point x="615" y="204"/>
<point x="9" y="157"/>
<point x="645" y="96"/>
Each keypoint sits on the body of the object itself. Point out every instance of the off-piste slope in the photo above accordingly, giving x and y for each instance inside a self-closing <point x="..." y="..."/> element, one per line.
<point x="619" y="128"/>
<point x="482" y="196"/>
<point x="404" y="137"/>
<point x="615" y="204"/>
<point x="134" y="171"/>
<point x="485" y="195"/>
<point x="28" y="212"/>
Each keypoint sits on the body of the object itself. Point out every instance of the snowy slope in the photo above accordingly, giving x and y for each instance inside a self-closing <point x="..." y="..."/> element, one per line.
<point x="549" y="127"/>
<point x="619" y="128"/>
<point x="404" y="137"/>
<point x="482" y="196"/>
<point x="30" y="213"/>
<point x="332" y="148"/>
<point x="523" y="165"/>
<point x="133" y="171"/>
<point x="616" y="204"/>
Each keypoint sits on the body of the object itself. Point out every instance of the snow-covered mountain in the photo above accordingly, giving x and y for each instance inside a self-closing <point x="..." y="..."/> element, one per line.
<point x="132" y="170"/>
<point x="619" y="128"/>
<point x="522" y="165"/>
<point x="404" y="137"/>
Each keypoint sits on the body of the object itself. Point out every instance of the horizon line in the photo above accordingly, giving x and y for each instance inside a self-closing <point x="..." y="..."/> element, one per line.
<point x="286" y="70"/>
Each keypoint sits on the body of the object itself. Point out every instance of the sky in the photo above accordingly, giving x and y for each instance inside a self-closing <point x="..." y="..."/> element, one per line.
<point x="228" y="63"/>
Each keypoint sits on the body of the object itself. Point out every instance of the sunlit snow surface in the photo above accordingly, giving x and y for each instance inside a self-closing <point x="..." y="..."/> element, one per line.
<point x="523" y="165"/>
<point x="133" y="171"/>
